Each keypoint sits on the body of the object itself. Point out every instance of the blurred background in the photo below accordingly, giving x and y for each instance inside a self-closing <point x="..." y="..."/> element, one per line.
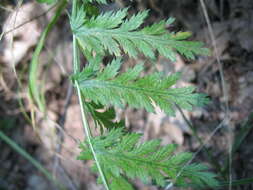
<point x="226" y="76"/>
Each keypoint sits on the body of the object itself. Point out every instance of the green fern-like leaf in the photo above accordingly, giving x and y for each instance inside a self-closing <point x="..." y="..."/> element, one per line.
<point x="108" y="87"/>
<point x="112" y="32"/>
<point x="122" y="157"/>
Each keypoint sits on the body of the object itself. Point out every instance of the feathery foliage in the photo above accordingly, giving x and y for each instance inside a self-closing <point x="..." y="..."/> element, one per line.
<point x="112" y="31"/>
<point x="111" y="88"/>
<point x="122" y="158"/>
<point x="118" y="156"/>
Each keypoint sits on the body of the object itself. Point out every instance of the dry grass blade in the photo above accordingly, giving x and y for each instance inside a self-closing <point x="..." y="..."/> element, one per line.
<point x="226" y="119"/>
<point x="224" y="90"/>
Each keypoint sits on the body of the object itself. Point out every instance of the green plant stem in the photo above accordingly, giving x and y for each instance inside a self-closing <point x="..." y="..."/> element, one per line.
<point x="27" y="156"/>
<point x="76" y="61"/>
<point x="76" y="54"/>
<point x="88" y="135"/>
<point x="76" y="65"/>
<point x="33" y="74"/>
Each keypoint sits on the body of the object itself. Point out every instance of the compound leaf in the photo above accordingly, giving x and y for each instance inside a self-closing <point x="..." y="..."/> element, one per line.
<point x="112" y="31"/>
<point x="122" y="157"/>
<point x="108" y="87"/>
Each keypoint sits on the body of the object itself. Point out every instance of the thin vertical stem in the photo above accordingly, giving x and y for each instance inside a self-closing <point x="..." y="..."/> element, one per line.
<point x="88" y="135"/>
<point x="76" y="54"/>
<point x="76" y="58"/>
<point x="76" y="65"/>
<point x="224" y="90"/>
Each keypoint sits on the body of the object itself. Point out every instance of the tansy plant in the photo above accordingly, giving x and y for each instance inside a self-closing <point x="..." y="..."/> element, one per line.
<point x="118" y="155"/>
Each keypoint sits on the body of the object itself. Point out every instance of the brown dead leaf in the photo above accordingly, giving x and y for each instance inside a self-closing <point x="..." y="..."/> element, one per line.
<point x="24" y="37"/>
